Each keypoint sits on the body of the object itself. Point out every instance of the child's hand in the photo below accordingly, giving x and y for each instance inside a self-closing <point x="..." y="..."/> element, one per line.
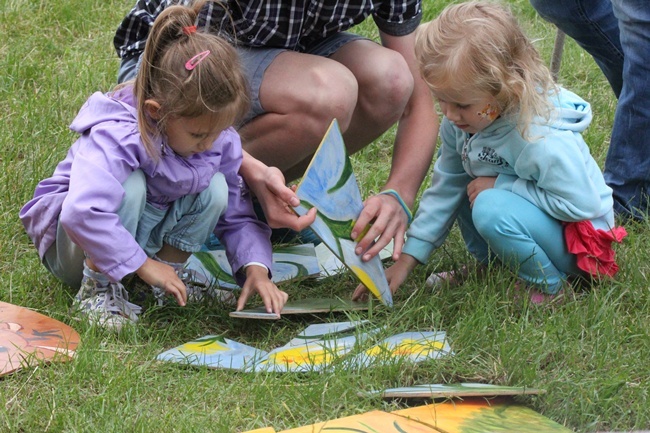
<point x="161" y="275"/>
<point x="257" y="280"/>
<point x="276" y="198"/>
<point x="396" y="275"/>
<point x="477" y="186"/>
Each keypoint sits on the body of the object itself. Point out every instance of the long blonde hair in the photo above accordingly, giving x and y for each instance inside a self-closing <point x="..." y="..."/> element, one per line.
<point x="215" y="85"/>
<point x="480" y="47"/>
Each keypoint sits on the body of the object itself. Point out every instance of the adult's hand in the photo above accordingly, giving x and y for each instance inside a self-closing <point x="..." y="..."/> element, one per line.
<point x="384" y="219"/>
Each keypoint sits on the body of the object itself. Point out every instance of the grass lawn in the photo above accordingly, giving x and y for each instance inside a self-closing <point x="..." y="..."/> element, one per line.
<point x="591" y="354"/>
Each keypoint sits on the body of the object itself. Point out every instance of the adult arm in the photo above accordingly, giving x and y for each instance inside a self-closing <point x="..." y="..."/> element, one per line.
<point x="415" y="142"/>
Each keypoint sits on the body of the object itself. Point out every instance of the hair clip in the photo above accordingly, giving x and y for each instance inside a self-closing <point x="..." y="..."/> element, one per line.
<point x="194" y="61"/>
<point x="189" y="30"/>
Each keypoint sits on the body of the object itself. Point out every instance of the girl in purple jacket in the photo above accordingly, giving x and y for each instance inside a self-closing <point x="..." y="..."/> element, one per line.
<point x="154" y="172"/>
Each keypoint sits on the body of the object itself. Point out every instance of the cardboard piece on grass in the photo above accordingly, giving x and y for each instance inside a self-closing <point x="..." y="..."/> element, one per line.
<point x="214" y="351"/>
<point x="317" y="347"/>
<point x="211" y="267"/>
<point x="454" y="390"/>
<point x="330" y="186"/>
<point x="481" y="415"/>
<point x="28" y="338"/>
<point x="303" y="306"/>
<point x="412" y="347"/>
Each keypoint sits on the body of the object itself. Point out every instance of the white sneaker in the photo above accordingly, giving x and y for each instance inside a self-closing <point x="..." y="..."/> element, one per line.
<point x="106" y="306"/>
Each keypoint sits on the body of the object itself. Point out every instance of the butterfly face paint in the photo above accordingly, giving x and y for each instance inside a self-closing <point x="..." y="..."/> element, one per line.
<point x="489" y="113"/>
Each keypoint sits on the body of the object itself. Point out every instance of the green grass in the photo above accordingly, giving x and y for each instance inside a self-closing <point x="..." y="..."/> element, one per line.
<point x="591" y="354"/>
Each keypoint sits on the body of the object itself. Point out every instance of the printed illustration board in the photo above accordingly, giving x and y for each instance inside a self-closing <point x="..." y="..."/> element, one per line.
<point x="211" y="267"/>
<point x="28" y="338"/>
<point x="330" y="186"/>
<point x="454" y="390"/>
<point x="303" y="306"/>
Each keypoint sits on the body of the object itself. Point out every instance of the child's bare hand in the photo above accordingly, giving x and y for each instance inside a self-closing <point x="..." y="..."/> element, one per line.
<point x="163" y="276"/>
<point x="477" y="186"/>
<point x="276" y="200"/>
<point x="257" y="280"/>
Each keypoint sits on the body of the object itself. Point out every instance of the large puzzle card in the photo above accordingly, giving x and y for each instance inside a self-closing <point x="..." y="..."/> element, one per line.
<point x="28" y="338"/>
<point x="468" y="416"/>
<point x="481" y="415"/>
<point x="448" y="390"/>
<point x="330" y="186"/>
<point x="214" y="351"/>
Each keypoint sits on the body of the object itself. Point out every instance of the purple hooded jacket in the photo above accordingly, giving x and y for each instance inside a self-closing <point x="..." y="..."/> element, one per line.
<point x="85" y="190"/>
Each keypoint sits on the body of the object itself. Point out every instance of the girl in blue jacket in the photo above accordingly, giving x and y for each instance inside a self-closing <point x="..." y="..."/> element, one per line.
<point x="154" y="172"/>
<point x="513" y="170"/>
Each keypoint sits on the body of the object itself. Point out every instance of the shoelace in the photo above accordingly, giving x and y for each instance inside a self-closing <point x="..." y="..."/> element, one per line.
<point x="117" y="301"/>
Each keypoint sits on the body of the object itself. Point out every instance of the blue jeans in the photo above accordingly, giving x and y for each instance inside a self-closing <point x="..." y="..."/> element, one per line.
<point x="617" y="35"/>
<point x="185" y="225"/>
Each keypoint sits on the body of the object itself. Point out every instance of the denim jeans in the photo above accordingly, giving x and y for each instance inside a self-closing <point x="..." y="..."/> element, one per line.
<point x="185" y="225"/>
<point x="617" y="35"/>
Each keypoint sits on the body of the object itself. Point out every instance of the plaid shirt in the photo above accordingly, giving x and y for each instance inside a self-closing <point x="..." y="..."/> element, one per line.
<point x="294" y="25"/>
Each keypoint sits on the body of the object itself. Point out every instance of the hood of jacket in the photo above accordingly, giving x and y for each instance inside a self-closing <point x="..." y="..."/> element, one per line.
<point x="118" y="105"/>
<point x="572" y="113"/>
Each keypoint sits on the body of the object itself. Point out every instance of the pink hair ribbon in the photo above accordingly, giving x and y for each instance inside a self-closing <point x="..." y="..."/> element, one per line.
<point x="194" y="61"/>
<point x="189" y="30"/>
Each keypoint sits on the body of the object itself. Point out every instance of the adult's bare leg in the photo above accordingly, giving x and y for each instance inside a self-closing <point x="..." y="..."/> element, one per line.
<point x="301" y="94"/>
<point x="385" y="86"/>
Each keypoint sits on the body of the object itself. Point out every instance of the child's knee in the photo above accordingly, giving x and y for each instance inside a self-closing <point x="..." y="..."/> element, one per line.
<point x="489" y="208"/>
<point x="135" y="191"/>
<point x="215" y="197"/>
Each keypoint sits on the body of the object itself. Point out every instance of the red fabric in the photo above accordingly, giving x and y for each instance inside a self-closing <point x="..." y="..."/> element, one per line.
<point x="592" y="247"/>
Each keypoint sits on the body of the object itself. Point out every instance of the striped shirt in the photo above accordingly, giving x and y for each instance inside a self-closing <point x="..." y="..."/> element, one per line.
<point x="293" y="25"/>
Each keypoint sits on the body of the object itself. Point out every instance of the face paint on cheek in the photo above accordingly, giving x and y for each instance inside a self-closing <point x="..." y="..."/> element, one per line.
<point x="490" y="113"/>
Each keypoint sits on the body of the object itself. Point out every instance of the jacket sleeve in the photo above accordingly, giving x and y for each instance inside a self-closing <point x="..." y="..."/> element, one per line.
<point x="245" y="237"/>
<point x="440" y="202"/>
<point x="89" y="211"/>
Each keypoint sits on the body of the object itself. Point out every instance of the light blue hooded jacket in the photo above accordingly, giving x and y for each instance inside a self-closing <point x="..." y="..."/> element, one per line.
<point x="554" y="171"/>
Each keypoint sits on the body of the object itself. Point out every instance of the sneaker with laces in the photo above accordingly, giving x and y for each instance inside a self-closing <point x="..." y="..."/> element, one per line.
<point x="106" y="305"/>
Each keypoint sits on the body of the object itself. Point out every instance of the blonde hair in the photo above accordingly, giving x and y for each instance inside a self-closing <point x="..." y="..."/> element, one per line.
<point x="481" y="47"/>
<point x="216" y="84"/>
